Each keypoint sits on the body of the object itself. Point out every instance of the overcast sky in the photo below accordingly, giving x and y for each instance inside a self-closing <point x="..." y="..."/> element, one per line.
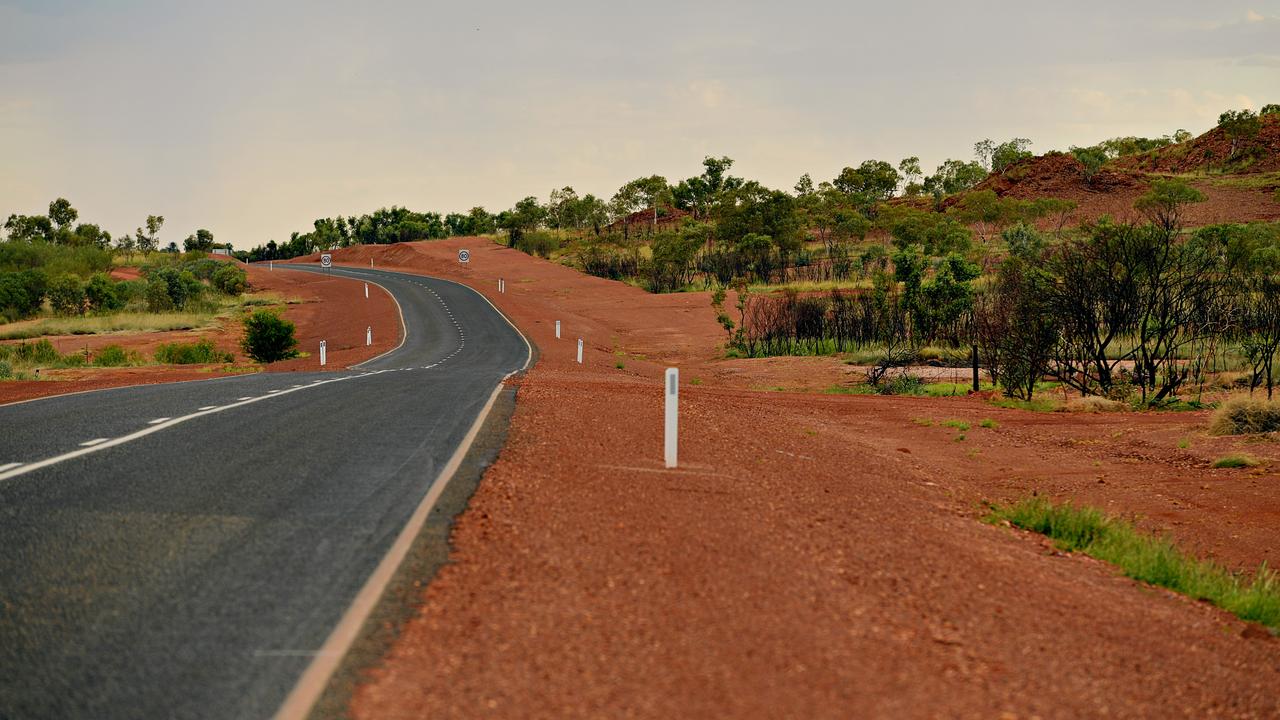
<point x="252" y="119"/>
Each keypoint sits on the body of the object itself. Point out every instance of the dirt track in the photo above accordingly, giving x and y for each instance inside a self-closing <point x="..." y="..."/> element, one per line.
<point x="815" y="555"/>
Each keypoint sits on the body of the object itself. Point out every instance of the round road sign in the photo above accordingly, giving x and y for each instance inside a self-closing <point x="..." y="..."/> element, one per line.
<point x="464" y="256"/>
<point x="326" y="260"/>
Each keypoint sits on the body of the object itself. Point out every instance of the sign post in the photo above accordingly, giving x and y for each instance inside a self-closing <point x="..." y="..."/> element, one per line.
<point x="672" y="423"/>
<point x="579" y="351"/>
<point x="323" y="359"/>
<point x="557" y="329"/>
<point x="464" y="256"/>
<point x="326" y="261"/>
<point x="368" y="335"/>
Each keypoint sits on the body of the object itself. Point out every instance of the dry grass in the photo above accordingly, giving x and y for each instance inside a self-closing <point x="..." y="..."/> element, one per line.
<point x="1246" y="416"/>
<point x="1094" y="404"/>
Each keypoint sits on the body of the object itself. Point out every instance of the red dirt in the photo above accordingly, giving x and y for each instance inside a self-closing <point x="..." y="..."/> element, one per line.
<point x="814" y="555"/>
<point x="1115" y="189"/>
<point x="325" y="309"/>
<point x="1213" y="148"/>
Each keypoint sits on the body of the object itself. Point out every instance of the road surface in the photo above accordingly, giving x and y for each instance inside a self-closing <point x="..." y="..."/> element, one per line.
<point x="183" y="550"/>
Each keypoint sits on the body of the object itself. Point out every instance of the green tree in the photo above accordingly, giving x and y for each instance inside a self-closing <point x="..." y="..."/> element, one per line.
<point x="1092" y="159"/>
<point x="700" y="194"/>
<point x="29" y="228"/>
<point x="102" y="294"/>
<point x="911" y="174"/>
<point x="1269" y="109"/>
<point x="873" y="180"/>
<point x="230" y="279"/>
<point x="268" y="337"/>
<point x="525" y="217"/>
<point x="200" y="241"/>
<point x="1166" y="203"/>
<point x="62" y="214"/>
<point x="1239" y="125"/>
<point x="998" y="157"/>
<point x="954" y="176"/>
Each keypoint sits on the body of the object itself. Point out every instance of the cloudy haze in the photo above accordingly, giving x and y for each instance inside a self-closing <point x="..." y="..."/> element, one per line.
<point x="252" y="119"/>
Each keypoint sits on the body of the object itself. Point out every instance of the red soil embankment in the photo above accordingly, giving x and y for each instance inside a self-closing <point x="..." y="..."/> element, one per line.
<point x="813" y="555"/>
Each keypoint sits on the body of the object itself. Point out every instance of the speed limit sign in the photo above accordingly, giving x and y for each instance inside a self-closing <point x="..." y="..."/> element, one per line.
<point x="326" y="260"/>
<point x="464" y="256"/>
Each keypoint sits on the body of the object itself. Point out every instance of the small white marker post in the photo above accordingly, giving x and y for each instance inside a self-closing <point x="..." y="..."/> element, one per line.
<point x="557" y="329"/>
<point x="672" y="424"/>
<point x="368" y="335"/>
<point x="579" y="351"/>
<point x="502" y="285"/>
<point x="271" y="266"/>
<point x="323" y="359"/>
<point x="366" y="291"/>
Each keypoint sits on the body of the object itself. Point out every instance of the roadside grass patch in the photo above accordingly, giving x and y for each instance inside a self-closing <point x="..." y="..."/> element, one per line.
<point x="115" y="356"/>
<point x="1246" y="416"/>
<point x="989" y="424"/>
<point x="100" y="324"/>
<point x="923" y="422"/>
<point x="960" y="425"/>
<point x="1147" y="558"/>
<point x="850" y="390"/>
<point x="1036" y="404"/>
<point x="1236" y="461"/>
<point x="198" y="353"/>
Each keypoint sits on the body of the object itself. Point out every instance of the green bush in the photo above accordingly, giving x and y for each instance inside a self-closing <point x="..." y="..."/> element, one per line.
<point x="158" y="297"/>
<point x="21" y="294"/>
<point x="114" y="356"/>
<point x="230" y="279"/>
<point x="268" y="337"/>
<point x="538" y="243"/>
<point x="902" y="385"/>
<point x="6" y="370"/>
<point x="66" y="296"/>
<point x="41" y="352"/>
<point x="198" y="353"/>
<point x="102" y="294"/>
<point x="1246" y="416"/>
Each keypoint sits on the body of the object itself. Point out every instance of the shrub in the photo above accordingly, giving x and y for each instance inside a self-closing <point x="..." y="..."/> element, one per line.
<point x="41" y="352"/>
<point x="21" y="294"/>
<point x="157" y="295"/>
<point x="197" y="353"/>
<point x="230" y="279"/>
<point x="102" y="293"/>
<point x="6" y="370"/>
<point x="268" y="337"/>
<point x="66" y="296"/>
<point x="114" y="356"/>
<point x="1246" y="416"/>
<point x="902" y="385"/>
<point x="1094" y="404"/>
<point x="538" y="243"/>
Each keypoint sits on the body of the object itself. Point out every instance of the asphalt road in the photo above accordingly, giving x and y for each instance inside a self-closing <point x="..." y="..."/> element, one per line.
<point x="191" y="567"/>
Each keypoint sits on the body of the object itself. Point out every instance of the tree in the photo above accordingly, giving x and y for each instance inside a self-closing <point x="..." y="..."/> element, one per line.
<point x="1181" y="136"/>
<point x="148" y="241"/>
<point x="1239" y="125"/>
<point x="954" y="176"/>
<point x="525" y="217"/>
<point x="873" y="180"/>
<point x="1269" y="109"/>
<point x="29" y="228"/>
<point x="201" y="241"/>
<point x="1166" y="202"/>
<point x="1091" y="160"/>
<point x="997" y="157"/>
<point x="910" y="172"/>
<point x="62" y="214"/>
<point x="701" y="193"/>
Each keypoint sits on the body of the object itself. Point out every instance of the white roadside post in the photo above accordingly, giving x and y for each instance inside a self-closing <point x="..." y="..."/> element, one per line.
<point x="366" y="291"/>
<point x="323" y="359"/>
<point x="368" y="335"/>
<point x="579" y="351"/>
<point x="557" y="329"/>
<point x="673" y="416"/>
<point x="271" y="266"/>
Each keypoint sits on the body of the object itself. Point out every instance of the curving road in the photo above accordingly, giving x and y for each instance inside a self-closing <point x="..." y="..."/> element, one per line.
<point x="184" y="550"/>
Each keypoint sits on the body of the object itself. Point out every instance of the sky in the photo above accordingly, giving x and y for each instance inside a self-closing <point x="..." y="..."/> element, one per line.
<point x="251" y="119"/>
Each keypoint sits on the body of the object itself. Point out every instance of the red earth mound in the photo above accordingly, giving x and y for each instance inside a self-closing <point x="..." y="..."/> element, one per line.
<point x="1213" y="149"/>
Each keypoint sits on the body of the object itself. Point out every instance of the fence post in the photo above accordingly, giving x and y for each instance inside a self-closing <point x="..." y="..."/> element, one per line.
<point x="976" y="386"/>
<point x="672" y="424"/>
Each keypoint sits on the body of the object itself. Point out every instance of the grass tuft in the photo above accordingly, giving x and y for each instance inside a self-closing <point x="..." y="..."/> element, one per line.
<point x="1236" y="461"/>
<point x="989" y="424"/>
<point x="960" y="425"/>
<point x="1147" y="558"/>
<point x="1246" y="416"/>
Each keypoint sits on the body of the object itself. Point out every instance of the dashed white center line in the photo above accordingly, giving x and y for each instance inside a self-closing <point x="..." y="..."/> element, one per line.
<point x="91" y="443"/>
<point x="9" y="466"/>
<point x="157" y="421"/>
<point x="207" y="407"/>
<point x="246" y="397"/>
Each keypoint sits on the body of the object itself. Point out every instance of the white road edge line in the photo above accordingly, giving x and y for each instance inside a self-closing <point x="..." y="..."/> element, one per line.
<point x="157" y="421"/>
<point x="91" y="443"/>
<point x="311" y="685"/>
<point x="9" y="466"/>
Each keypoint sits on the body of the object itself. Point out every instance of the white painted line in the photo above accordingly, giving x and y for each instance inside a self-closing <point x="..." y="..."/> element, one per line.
<point x="9" y="466"/>
<point x="207" y="407"/>
<point x="246" y="397"/>
<point x="99" y="444"/>
<point x="157" y="421"/>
